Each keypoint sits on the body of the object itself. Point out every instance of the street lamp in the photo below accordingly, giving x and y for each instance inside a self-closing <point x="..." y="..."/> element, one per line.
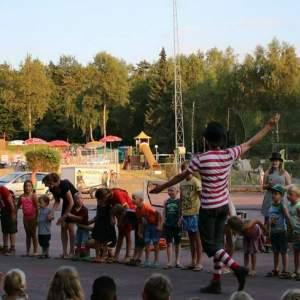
<point x="156" y="152"/>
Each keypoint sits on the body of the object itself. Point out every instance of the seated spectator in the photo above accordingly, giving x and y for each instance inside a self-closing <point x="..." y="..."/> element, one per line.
<point x="104" y="288"/>
<point x="157" y="287"/>
<point x="240" y="296"/>
<point x="65" y="285"/>
<point x="291" y="294"/>
<point x="14" y="285"/>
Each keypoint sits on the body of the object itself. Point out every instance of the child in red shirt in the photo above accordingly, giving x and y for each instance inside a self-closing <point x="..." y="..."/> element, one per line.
<point x="152" y="229"/>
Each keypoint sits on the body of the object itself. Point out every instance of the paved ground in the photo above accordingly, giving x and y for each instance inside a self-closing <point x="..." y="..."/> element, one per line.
<point x="130" y="280"/>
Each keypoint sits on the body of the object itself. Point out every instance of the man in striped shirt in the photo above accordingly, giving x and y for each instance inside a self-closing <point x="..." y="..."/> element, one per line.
<point x="214" y="167"/>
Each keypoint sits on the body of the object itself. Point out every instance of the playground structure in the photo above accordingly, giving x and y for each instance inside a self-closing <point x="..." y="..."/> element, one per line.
<point x="142" y="156"/>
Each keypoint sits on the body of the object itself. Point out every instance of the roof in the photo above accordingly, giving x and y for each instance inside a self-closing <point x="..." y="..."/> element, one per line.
<point x="142" y="136"/>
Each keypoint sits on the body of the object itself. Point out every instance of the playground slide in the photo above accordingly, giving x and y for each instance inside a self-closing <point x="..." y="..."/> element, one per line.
<point x="145" y="149"/>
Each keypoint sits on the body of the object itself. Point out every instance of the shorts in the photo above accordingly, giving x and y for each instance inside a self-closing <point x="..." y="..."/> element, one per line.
<point x="44" y="240"/>
<point x="172" y="234"/>
<point x="151" y="234"/>
<point x="9" y="226"/>
<point x="190" y="223"/>
<point x="296" y="242"/>
<point x="279" y="242"/>
<point x="82" y="236"/>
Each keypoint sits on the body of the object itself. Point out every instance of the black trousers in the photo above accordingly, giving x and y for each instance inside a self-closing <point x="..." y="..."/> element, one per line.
<point x="211" y="227"/>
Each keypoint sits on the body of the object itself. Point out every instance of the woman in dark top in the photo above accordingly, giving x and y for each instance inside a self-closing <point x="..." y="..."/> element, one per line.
<point x="65" y="190"/>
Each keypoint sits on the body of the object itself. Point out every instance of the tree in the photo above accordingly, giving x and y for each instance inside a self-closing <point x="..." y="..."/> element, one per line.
<point x="8" y="121"/>
<point x="159" y="118"/>
<point x="33" y="93"/>
<point x="110" y="85"/>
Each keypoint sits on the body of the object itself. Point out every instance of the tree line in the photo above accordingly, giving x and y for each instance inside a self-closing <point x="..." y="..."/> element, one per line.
<point x="68" y="100"/>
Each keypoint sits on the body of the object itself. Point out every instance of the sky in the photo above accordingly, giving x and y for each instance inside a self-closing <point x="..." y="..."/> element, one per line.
<point x="137" y="29"/>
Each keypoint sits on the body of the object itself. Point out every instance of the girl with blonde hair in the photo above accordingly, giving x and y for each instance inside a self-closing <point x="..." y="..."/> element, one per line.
<point x="65" y="285"/>
<point x="14" y="285"/>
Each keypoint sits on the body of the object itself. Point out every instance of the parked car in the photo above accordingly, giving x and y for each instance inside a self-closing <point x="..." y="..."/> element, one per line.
<point x="15" y="181"/>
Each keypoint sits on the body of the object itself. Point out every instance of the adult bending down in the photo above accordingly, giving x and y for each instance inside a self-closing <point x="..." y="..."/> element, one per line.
<point x="214" y="167"/>
<point x="65" y="190"/>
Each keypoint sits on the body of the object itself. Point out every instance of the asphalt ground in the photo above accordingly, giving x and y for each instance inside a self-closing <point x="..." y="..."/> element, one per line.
<point x="130" y="280"/>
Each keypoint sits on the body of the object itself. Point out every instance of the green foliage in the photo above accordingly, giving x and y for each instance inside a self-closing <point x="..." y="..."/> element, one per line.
<point x="71" y="101"/>
<point x="43" y="160"/>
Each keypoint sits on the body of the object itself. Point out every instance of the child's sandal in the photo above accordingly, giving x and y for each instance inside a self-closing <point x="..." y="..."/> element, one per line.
<point x="285" y="275"/>
<point x="273" y="273"/>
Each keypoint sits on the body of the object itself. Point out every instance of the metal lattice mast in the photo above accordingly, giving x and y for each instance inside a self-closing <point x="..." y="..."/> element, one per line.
<point x="179" y="126"/>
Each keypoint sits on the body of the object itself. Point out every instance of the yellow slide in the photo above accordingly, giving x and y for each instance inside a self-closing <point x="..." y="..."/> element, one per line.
<point x="145" y="149"/>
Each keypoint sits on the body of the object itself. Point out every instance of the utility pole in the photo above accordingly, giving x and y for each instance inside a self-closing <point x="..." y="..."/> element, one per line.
<point x="192" y="129"/>
<point x="179" y="125"/>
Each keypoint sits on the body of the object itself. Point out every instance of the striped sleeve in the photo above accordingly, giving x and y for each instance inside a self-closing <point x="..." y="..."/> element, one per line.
<point x="235" y="152"/>
<point x="194" y="165"/>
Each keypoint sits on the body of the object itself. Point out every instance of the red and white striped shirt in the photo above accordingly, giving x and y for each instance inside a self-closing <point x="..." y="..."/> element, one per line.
<point x="214" y="167"/>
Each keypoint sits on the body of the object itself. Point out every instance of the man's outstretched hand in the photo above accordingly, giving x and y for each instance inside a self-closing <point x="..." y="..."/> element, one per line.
<point x="156" y="190"/>
<point x="274" y="120"/>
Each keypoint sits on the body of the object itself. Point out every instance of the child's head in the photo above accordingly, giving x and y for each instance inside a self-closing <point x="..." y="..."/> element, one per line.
<point x="44" y="201"/>
<point x="118" y="210"/>
<point x="291" y="294"/>
<point x="28" y="186"/>
<point x="172" y="191"/>
<point x="104" y="288"/>
<point x="157" y="287"/>
<point x="277" y="193"/>
<point x="15" y="283"/>
<point x="138" y="199"/>
<point x="215" y="135"/>
<point x="78" y="200"/>
<point x="236" y="224"/>
<point x="103" y="195"/>
<point x="65" y="284"/>
<point x="240" y="296"/>
<point x="293" y="193"/>
<point x="51" y="180"/>
<point x="184" y="166"/>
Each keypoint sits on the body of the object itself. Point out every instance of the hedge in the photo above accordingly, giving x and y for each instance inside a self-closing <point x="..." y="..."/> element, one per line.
<point x="43" y="160"/>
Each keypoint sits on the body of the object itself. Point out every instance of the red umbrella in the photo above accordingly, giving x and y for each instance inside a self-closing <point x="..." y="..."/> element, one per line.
<point x="35" y="141"/>
<point x="59" y="143"/>
<point x="110" y="139"/>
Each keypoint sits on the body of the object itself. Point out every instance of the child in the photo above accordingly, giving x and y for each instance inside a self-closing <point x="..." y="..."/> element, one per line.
<point x="127" y="222"/>
<point x="29" y="204"/>
<point x="104" y="232"/>
<point x="14" y="285"/>
<point x="104" y="288"/>
<point x="294" y="212"/>
<point x="79" y="215"/>
<point x="152" y="228"/>
<point x="278" y="231"/>
<point x="113" y="197"/>
<point x="8" y="220"/>
<point x="172" y="226"/>
<point x="190" y="189"/>
<point x="252" y="231"/>
<point x="65" y="284"/>
<point x="157" y="287"/>
<point x="44" y="225"/>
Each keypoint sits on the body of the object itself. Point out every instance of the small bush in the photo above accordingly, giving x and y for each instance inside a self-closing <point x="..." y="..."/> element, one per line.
<point x="43" y="160"/>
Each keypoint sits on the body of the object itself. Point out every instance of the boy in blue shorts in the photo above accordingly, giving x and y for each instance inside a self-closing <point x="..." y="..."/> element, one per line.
<point x="172" y="226"/>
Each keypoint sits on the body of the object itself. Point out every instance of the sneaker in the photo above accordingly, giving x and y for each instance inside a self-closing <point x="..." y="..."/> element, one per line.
<point x="213" y="288"/>
<point x="147" y="264"/>
<point x="241" y="273"/>
<point x="155" y="265"/>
